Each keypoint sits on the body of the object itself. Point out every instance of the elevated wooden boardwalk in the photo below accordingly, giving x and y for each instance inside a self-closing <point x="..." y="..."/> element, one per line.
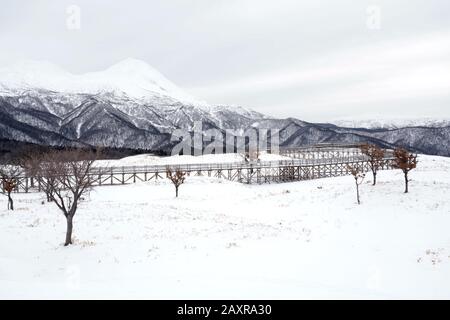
<point x="305" y="164"/>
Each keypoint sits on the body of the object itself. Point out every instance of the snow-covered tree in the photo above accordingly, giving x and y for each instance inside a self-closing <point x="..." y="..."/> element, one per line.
<point x="359" y="176"/>
<point x="375" y="158"/>
<point x="405" y="161"/>
<point x="9" y="177"/>
<point x="177" y="177"/>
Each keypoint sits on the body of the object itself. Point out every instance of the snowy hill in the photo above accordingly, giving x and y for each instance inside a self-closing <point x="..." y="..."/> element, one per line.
<point x="225" y="240"/>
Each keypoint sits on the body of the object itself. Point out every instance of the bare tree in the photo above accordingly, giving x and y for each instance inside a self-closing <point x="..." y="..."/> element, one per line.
<point x="254" y="154"/>
<point x="66" y="177"/>
<point x="405" y="161"/>
<point x="177" y="177"/>
<point x="9" y="175"/>
<point x="359" y="176"/>
<point x="46" y="176"/>
<point x="376" y="158"/>
<point x="30" y="163"/>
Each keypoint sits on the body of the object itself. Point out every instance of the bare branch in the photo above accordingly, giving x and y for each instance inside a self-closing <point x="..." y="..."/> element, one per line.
<point x="177" y="177"/>
<point x="358" y="175"/>
<point x="375" y="158"/>
<point x="66" y="177"/>
<point x="405" y="161"/>
<point x="9" y="177"/>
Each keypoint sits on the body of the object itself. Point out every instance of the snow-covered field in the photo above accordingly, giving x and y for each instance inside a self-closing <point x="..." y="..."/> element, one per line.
<point x="223" y="239"/>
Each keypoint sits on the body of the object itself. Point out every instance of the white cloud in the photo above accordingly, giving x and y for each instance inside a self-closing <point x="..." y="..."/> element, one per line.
<point x="416" y="67"/>
<point x="308" y="59"/>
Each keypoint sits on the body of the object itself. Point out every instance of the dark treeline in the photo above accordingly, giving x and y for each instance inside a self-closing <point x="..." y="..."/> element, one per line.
<point x="13" y="151"/>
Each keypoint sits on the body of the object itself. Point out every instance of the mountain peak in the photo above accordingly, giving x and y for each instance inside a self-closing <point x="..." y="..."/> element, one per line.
<point x="132" y="77"/>
<point x="131" y="64"/>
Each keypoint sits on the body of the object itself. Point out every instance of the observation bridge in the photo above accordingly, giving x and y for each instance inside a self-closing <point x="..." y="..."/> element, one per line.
<point x="306" y="163"/>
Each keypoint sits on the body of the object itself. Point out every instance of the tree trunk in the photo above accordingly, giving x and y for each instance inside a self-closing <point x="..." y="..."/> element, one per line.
<point x="10" y="202"/>
<point x="176" y="192"/>
<point x="357" y="193"/>
<point x="69" y="230"/>
<point x="374" y="178"/>
<point x="406" y="182"/>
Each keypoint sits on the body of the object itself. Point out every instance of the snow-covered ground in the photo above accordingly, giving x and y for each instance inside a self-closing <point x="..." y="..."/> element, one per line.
<point x="223" y="239"/>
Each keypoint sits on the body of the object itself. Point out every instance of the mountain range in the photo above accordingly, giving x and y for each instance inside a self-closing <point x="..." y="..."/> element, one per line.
<point x="131" y="105"/>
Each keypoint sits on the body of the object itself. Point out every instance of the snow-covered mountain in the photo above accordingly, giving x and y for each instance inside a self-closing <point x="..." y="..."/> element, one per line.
<point x="131" y="105"/>
<point x="392" y="123"/>
<point x="132" y="78"/>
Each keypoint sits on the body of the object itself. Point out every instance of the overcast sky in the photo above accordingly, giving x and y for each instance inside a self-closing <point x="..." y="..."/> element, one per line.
<point x="314" y="60"/>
